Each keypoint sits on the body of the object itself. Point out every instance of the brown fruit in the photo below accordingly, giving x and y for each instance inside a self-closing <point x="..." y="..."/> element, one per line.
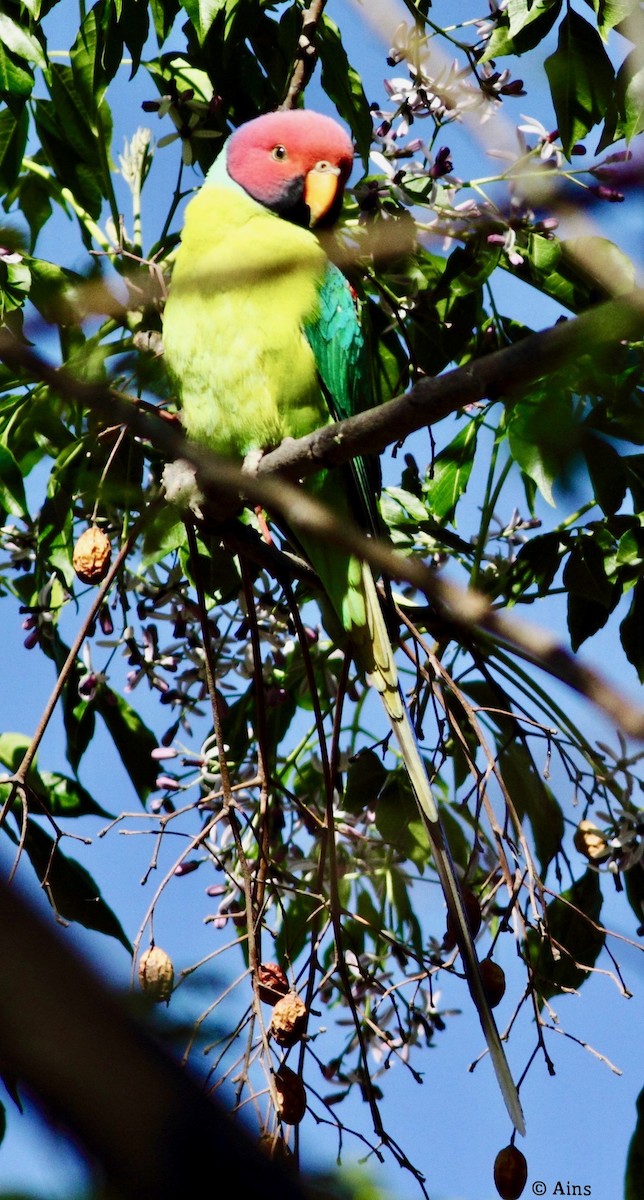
<point x="156" y="974"/>
<point x="271" y="982"/>
<point x="291" y="1096"/>
<point x="473" y="914"/>
<point x="493" y="979"/>
<point x="288" y="1021"/>
<point x="510" y="1173"/>
<point x="92" y="555"/>
<point x="590" y="841"/>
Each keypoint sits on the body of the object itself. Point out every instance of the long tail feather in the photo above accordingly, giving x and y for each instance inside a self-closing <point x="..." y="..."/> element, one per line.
<point x="383" y="676"/>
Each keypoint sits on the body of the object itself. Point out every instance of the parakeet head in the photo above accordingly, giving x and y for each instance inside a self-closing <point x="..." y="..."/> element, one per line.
<point x="295" y="163"/>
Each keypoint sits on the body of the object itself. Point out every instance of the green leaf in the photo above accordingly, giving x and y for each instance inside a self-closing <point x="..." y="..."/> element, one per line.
<point x="69" y="887"/>
<point x="201" y="14"/>
<point x="402" y="507"/>
<point x="521" y="27"/>
<point x="543" y="436"/>
<point x="450" y="473"/>
<point x="630" y="96"/>
<point x="581" y="78"/>
<point x="23" y="43"/>
<point x="12" y="488"/>
<point x="467" y="269"/>
<point x="570" y="921"/>
<point x="65" y="797"/>
<point x="133" y="740"/>
<point x="16" y="79"/>
<point x="634" y="1180"/>
<point x="398" y="821"/>
<point x="13" y="747"/>
<point x="296" y="927"/>
<point x="343" y="85"/>
<point x="163" y="15"/>
<point x="612" y="12"/>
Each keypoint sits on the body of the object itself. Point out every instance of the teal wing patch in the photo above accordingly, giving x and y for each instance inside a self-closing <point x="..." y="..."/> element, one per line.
<point x="340" y="353"/>
<point x="337" y="342"/>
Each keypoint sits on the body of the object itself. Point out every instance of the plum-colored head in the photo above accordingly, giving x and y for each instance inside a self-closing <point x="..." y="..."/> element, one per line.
<point x="296" y="163"/>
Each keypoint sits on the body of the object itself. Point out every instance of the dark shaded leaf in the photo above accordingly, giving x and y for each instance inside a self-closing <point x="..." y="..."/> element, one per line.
<point x="537" y="564"/>
<point x="14" y="130"/>
<point x="398" y="821"/>
<point x="634" y="885"/>
<point x="69" y="887"/>
<point x="343" y="85"/>
<point x="565" y="966"/>
<point x="607" y="473"/>
<point x="12" y="490"/>
<point x="591" y="594"/>
<point x="132" y="739"/>
<point x="581" y="78"/>
<point x="631" y="630"/>
<point x="634" y="1179"/>
<point x="296" y="927"/>
<point x="365" y="777"/>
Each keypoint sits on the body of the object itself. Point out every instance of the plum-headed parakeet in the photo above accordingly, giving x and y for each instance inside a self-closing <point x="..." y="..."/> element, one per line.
<point x="262" y="338"/>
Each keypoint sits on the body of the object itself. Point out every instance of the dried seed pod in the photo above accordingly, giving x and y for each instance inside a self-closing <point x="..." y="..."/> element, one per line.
<point x="291" y="1096"/>
<point x="590" y="841"/>
<point x="272" y="982"/>
<point x="92" y="555"/>
<point x="156" y="974"/>
<point x="473" y="914"/>
<point x="510" y="1173"/>
<point x="493" y="980"/>
<point x="288" y="1021"/>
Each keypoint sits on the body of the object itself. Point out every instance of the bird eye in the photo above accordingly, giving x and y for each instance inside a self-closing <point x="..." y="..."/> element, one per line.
<point x="279" y="152"/>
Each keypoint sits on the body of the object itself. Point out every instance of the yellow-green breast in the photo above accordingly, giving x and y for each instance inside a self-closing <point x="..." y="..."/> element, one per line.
<point x="244" y="285"/>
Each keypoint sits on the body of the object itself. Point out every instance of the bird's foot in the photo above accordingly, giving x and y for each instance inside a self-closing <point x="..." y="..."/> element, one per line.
<point x="251" y="462"/>
<point x="179" y="480"/>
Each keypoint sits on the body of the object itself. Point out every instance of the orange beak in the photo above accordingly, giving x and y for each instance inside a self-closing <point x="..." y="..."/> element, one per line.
<point x="321" y="189"/>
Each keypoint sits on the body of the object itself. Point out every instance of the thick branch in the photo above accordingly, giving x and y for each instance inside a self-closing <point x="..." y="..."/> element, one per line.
<point x="72" y="1044"/>
<point x="464" y="609"/>
<point x="503" y="374"/>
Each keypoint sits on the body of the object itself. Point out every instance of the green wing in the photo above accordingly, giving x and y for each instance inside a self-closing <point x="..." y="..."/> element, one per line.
<point x="345" y="377"/>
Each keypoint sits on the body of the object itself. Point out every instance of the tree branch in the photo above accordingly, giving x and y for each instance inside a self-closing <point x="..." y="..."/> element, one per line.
<point x="503" y="374"/>
<point x="467" y="610"/>
<point x="306" y="53"/>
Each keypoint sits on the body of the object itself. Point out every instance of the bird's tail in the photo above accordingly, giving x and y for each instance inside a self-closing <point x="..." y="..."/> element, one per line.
<point x="376" y="655"/>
